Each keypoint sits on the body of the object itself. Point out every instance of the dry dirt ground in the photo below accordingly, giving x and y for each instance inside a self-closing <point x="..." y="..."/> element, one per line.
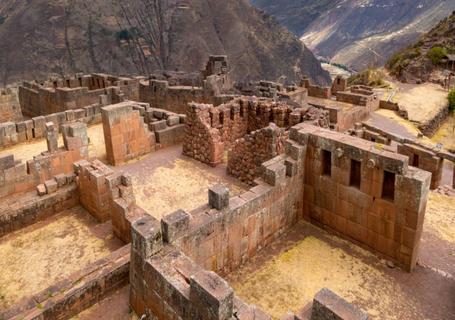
<point x="26" y="151"/>
<point x="113" y="307"/>
<point x="38" y="256"/>
<point x="285" y="276"/>
<point x="422" y="101"/>
<point x="166" y="181"/>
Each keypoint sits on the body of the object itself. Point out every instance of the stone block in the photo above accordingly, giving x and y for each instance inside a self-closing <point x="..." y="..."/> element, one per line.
<point x="211" y="295"/>
<point x="51" y="186"/>
<point x="41" y="190"/>
<point x="174" y="225"/>
<point x="328" y="306"/>
<point x="173" y="120"/>
<point x="6" y="161"/>
<point x="146" y="236"/>
<point x="218" y="197"/>
<point x="61" y="180"/>
<point x="158" y="125"/>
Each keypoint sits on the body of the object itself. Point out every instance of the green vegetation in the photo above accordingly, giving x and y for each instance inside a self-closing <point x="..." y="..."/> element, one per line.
<point x="436" y="54"/>
<point x="2" y="19"/>
<point x="369" y="77"/>
<point x="402" y="59"/>
<point x="452" y="100"/>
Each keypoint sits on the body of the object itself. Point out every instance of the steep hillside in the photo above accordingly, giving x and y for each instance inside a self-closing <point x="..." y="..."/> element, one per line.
<point x="424" y="60"/>
<point x="40" y="37"/>
<point x="359" y="33"/>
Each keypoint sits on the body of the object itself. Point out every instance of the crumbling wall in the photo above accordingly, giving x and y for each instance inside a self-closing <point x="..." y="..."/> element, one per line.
<point x="360" y="98"/>
<point x="247" y="154"/>
<point x="339" y="84"/>
<point x="364" y="193"/>
<point x="125" y="133"/>
<point x="12" y="133"/>
<point x="212" y="130"/>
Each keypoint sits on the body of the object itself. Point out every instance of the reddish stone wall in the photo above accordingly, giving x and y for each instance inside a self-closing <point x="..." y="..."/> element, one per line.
<point x="125" y="133"/>
<point x="19" y="177"/>
<point x="73" y="93"/>
<point x="247" y="154"/>
<point x="12" y="133"/>
<point x="76" y="293"/>
<point x="383" y="214"/>
<point x="33" y="208"/>
<point x="212" y="130"/>
<point x="9" y="107"/>
<point x="425" y="160"/>
<point x="370" y="101"/>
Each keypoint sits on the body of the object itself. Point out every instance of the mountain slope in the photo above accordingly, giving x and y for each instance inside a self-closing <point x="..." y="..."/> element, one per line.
<point x="139" y="36"/>
<point x="422" y="61"/>
<point x="360" y="33"/>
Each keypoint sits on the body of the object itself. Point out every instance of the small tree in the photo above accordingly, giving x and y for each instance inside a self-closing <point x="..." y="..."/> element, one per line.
<point x="452" y="100"/>
<point x="436" y="54"/>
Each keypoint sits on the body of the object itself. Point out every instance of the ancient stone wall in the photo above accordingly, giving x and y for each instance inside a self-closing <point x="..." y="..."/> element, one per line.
<point x="365" y="193"/>
<point x="212" y="130"/>
<point x="370" y="101"/>
<point x="125" y="133"/>
<point x="167" y="256"/>
<point x="339" y="84"/>
<point x="425" y="160"/>
<point x="9" y="106"/>
<point x="247" y="154"/>
<point x="75" y="93"/>
<point x="32" y="208"/>
<point x="24" y="131"/>
<point x="19" y="177"/>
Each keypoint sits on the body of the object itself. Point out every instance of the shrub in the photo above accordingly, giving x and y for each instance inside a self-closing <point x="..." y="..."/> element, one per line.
<point x="436" y="54"/>
<point x="2" y="19"/>
<point x="452" y="100"/>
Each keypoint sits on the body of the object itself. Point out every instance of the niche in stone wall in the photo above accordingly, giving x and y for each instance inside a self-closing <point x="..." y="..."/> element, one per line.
<point x="354" y="180"/>
<point x="388" y="186"/>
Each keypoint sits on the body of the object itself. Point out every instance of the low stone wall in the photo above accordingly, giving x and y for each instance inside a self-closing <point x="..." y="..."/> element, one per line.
<point x="76" y="293"/>
<point x="16" y="176"/>
<point x="429" y="128"/>
<point x="12" y="133"/>
<point x="33" y="208"/>
<point x="371" y="102"/>
<point x="389" y="105"/>
<point x="247" y="154"/>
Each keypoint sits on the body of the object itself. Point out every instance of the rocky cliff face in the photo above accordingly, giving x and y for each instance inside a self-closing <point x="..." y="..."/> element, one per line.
<point x="42" y="37"/>
<point x="358" y="33"/>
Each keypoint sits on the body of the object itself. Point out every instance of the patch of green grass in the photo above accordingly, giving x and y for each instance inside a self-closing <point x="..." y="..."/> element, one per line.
<point x="452" y="100"/>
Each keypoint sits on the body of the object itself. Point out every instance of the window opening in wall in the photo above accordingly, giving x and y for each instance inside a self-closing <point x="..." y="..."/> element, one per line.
<point x="326" y="163"/>
<point x="388" y="186"/>
<point x="354" y="180"/>
<point x="415" y="160"/>
<point x="222" y="118"/>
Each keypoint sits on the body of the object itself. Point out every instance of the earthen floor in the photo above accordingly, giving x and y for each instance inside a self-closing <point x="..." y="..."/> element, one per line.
<point x="36" y="257"/>
<point x="166" y="180"/>
<point x="285" y="276"/>
<point x="113" y="307"/>
<point x="26" y="151"/>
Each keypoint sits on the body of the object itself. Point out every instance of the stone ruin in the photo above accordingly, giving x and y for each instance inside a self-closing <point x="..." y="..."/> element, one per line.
<point x="303" y="153"/>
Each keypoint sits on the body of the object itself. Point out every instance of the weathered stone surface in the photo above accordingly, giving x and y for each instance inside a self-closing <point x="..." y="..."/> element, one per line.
<point x="328" y="306"/>
<point x="218" y="197"/>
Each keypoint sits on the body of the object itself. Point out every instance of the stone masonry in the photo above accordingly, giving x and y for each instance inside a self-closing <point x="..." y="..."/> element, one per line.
<point x="125" y="133"/>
